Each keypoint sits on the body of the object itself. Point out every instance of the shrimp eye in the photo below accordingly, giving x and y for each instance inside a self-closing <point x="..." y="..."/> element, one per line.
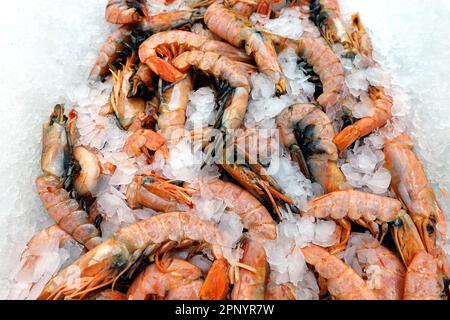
<point x="98" y="221"/>
<point x="430" y="228"/>
<point x="397" y="223"/>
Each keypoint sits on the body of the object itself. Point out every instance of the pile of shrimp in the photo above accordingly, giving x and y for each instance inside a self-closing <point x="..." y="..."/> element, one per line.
<point x="174" y="244"/>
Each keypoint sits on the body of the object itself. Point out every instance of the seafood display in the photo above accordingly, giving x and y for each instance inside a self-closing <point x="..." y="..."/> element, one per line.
<point x="215" y="158"/>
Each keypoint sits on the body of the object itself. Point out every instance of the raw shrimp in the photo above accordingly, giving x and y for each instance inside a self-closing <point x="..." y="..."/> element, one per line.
<point x="130" y="112"/>
<point x="252" y="283"/>
<point x="324" y="62"/>
<point x="224" y="69"/>
<point x="412" y="187"/>
<point x="112" y="52"/>
<point x="90" y="170"/>
<point x="170" y="44"/>
<point x="55" y="156"/>
<point x="314" y="142"/>
<point x="137" y="12"/>
<point x="343" y="282"/>
<point x="365" y="126"/>
<point x="141" y="81"/>
<point x="57" y="164"/>
<point x="145" y="141"/>
<point x="105" y="263"/>
<point x="125" y="11"/>
<point x="327" y="17"/>
<point x="360" y="37"/>
<point x="365" y="209"/>
<point x="238" y="31"/>
<point x="385" y="272"/>
<point x="254" y="216"/>
<point x="216" y="284"/>
<point x="66" y="212"/>
<point x="424" y="278"/>
<point x="157" y="194"/>
<point x="178" y="280"/>
<point x="173" y="101"/>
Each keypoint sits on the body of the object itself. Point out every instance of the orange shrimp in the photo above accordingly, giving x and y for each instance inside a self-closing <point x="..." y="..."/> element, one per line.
<point x="226" y="70"/>
<point x="424" y="277"/>
<point x="90" y="170"/>
<point x="157" y="194"/>
<point x="366" y="125"/>
<point x="179" y="280"/>
<point x="324" y="62"/>
<point x="111" y="53"/>
<point x="56" y="163"/>
<point x="360" y="37"/>
<point x="412" y="187"/>
<point x="384" y="270"/>
<point x="216" y="284"/>
<point x="315" y="135"/>
<point x="130" y="112"/>
<point x="254" y="216"/>
<point x="108" y="261"/>
<point x="141" y="81"/>
<point x="170" y="44"/>
<point x="365" y="209"/>
<point x="342" y="281"/>
<point x="66" y="212"/>
<point x="282" y="291"/>
<point x="144" y="141"/>
<point x="238" y="31"/>
<point x="125" y="11"/>
<point x="326" y="15"/>
<point x="252" y="283"/>
<point x="172" y="109"/>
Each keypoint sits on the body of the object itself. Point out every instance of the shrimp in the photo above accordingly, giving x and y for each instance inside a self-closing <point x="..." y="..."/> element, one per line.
<point x="233" y="109"/>
<point x="424" y="278"/>
<point x="157" y="194"/>
<point x="315" y="135"/>
<point x="384" y="270"/>
<point x="361" y="38"/>
<point x="365" y="209"/>
<point x="112" y="52"/>
<point x="56" y="164"/>
<point x="327" y="17"/>
<point x="105" y="263"/>
<point x="254" y="216"/>
<point x="252" y="283"/>
<point x="412" y="187"/>
<point x="90" y="170"/>
<point x="179" y="280"/>
<point x="55" y="155"/>
<point x="144" y="141"/>
<point x="130" y="112"/>
<point x="66" y="212"/>
<point x="172" y="109"/>
<point x="170" y="44"/>
<point x="216" y="284"/>
<point x="125" y="11"/>
<point x="141" y="81"/>
<point x="137" y="12"/>
<point x="365" y="126"/>
<point x="324" y="62"/>
<point x="342" y="281"/>
<point x="238" y="31"/>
